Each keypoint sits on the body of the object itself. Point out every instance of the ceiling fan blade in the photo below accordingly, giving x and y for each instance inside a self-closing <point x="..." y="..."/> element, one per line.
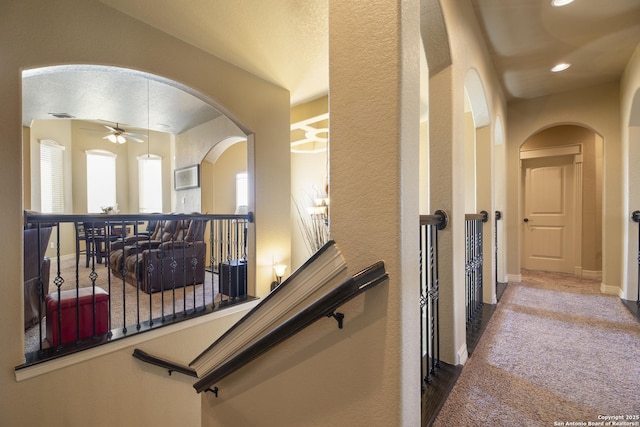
<point x="111" y="128"/>
<point x="134" y="138"/>
<point x="136" y="134"/>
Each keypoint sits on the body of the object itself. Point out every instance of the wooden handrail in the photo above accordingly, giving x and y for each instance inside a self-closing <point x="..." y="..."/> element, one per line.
<point x="482" y="216"/>
<point x="439" y="218"/>
<point x="39" y="218"/>
<point x="164" y="363"/>
<point x="324" y="306"/>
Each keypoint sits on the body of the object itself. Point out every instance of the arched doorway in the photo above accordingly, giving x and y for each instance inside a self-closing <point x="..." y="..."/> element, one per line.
<point x="562" y="201"/>
<point x="631" y="286"/>
<point x="478" y="170"/>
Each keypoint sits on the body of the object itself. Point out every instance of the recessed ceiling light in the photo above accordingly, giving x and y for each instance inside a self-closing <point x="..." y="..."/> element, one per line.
<point x="559" y="3"/>
<point x="560" y="67"/>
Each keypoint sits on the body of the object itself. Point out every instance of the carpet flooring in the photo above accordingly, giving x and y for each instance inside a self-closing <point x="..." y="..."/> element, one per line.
<point x="126" y="301"/>
<point x="555" y="352"/>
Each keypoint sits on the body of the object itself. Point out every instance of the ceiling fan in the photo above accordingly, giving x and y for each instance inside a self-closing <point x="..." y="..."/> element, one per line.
<point x="120" y="135"/>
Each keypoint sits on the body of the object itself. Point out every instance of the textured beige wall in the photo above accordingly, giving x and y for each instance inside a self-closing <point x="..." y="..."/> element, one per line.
<point x="485" y="202"/>
<point x="469" y="164"/>
<point x="115" y="389"/>
<point x="374" y="158"/>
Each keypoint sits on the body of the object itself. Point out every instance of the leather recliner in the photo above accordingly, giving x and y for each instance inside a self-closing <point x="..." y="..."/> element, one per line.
<point x="172" y="257"/>
<point x="36" y="269"/>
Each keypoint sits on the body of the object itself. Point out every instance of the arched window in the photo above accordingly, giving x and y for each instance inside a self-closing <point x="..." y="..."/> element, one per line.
<point x="242" y="192"/>
<point x="101" y="180"/>
<point x="51" y="177"/>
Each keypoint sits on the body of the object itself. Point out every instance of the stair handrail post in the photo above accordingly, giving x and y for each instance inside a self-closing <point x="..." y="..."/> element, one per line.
<point x="635" y="217"/>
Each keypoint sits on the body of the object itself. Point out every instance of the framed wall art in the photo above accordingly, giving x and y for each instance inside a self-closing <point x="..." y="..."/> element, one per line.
<point x="187" y="177"/>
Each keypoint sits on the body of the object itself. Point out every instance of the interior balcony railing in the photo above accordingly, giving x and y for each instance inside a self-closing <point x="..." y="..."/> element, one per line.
<point x="430" y="294"/>
<point x="125" y="275"/>
<point x="474" y="267"/>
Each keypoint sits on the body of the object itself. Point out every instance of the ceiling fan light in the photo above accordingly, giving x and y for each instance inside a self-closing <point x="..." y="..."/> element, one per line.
<point x="560" y="3"/>
<point x="560" y="67"/>
<point x="112" y="138"/>
<point x="121" y="139"/>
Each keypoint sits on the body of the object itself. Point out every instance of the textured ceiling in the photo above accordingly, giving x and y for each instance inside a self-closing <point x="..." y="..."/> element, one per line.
<point x="111" y="94"/>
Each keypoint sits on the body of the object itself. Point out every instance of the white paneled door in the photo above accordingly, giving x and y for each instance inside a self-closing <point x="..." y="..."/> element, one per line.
<point x="549" y="214"/>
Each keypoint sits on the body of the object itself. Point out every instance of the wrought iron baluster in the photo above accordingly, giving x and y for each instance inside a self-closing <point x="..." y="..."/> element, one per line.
<point x="121" y="255"/>
<point x="58" y="281"/>
<point x="429" y="295"/>
<point x="423" y="305"/>
<point x="212" y="263"/>
<point x="635" y="216"/>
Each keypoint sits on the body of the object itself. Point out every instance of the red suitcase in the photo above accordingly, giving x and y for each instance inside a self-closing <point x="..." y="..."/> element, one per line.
<point x="68" y="309"/>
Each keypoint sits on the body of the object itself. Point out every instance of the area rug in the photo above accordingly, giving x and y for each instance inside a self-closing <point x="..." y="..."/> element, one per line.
<point x="556" y="352"/>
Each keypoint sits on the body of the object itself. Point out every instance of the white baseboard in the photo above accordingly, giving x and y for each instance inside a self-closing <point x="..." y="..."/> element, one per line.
<point x="590" y="274"/>
<point x="516" y="278"/>
<point x="462" y="355"/>
<point x="611" y="290"/>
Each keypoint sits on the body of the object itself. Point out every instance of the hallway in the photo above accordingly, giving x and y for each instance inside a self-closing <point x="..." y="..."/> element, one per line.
<point x="556" y="350"/>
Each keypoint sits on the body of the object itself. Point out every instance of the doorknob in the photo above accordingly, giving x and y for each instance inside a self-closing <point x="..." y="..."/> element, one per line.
<point x="526" y="220"/>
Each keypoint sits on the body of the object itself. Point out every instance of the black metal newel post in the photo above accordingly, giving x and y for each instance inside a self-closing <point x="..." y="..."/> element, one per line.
<point x="635" y="217"/>
<point x="498" y="216"/>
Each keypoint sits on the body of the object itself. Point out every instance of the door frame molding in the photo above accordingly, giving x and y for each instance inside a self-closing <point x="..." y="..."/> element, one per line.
<point x="565" y="150"/>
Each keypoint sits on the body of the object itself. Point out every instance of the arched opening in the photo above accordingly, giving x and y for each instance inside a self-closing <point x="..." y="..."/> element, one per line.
<point x="478" y="169"/>
<point x="127" y="136"/>
<point x="631" y="286"/>
<point x="561" y="194"/>
<point x="130" y="114"/>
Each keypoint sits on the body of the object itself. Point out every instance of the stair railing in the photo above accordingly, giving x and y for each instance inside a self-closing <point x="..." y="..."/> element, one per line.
<point x="430" y="294"/>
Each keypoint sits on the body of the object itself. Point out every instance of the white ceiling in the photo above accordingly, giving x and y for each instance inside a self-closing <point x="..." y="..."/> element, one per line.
<point x="286" y="42"/>
<point x="528" y="37"/>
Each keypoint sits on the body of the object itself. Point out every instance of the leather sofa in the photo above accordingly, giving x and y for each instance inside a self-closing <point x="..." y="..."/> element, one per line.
<point x="36" y="267"/>
<point x="172" y="256"/>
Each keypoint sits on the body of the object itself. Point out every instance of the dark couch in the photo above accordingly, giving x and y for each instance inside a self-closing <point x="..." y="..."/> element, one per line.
<point x="36" y="266"/>
<point x="172" y="256"/>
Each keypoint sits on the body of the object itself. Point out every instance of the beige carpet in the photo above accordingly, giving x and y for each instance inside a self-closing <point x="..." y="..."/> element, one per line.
<point x="126" y="305"/>
<point x="555" y="351"/>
